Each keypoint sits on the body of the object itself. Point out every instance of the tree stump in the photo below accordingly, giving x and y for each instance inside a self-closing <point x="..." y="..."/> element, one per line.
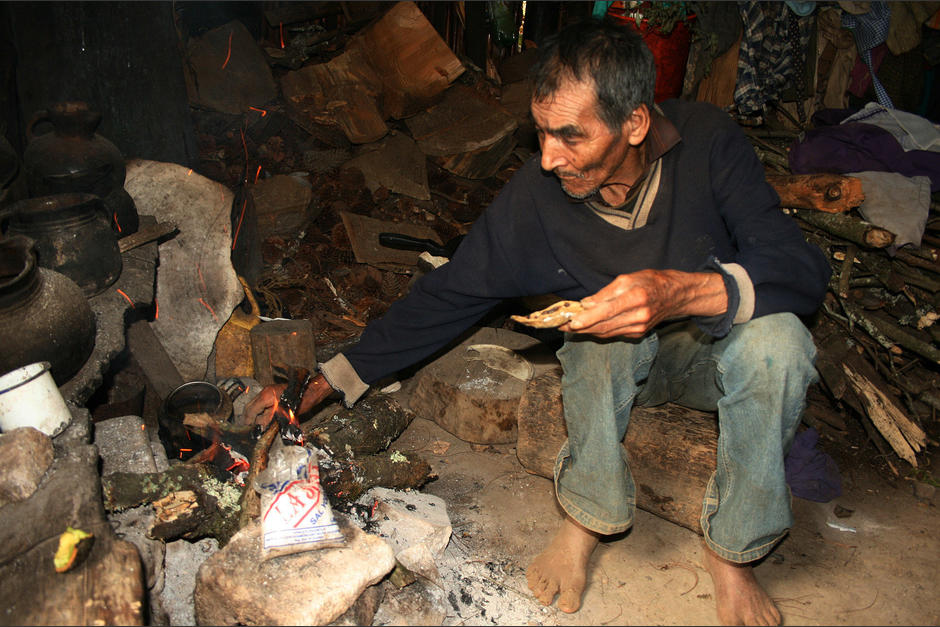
<point x="473" y="390"/>
<point x="282" y="343"/>
<point x="672" y="449"/>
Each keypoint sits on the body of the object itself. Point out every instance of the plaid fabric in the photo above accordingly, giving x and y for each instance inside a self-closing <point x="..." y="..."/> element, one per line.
<point x="871" y="29"/>
<point x="770" y="54"/>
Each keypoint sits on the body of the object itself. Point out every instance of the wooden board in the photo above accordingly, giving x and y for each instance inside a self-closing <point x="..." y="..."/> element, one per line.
<point x="462" y="122"/>
<point x="414" y="64"/>
<point x="363" y="233"/>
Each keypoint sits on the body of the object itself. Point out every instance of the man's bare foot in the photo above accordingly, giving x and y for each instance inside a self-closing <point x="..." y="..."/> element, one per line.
<point x="740" y="599"/>
<point x="561" y="569"/>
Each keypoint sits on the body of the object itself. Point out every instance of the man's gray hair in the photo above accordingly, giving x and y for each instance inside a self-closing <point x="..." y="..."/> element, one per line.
<point x="612" y="56"/>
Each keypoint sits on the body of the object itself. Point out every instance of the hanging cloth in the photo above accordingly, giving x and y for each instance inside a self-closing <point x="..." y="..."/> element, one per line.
<point x="870" y="30"/>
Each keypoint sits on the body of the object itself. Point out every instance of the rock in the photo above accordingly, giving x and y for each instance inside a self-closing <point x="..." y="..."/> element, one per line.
<point x="311" y="588"/>
<point x="183" y="559"/>
<point x="419" y="604"/>
<point x="27" y="454"/>
<point x="363" y="610"/>
<point x="124" y="446"/>
<point x="414" y="524"/>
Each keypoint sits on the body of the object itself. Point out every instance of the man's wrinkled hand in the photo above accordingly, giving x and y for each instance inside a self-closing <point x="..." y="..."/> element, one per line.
<point x="632" y="304"/>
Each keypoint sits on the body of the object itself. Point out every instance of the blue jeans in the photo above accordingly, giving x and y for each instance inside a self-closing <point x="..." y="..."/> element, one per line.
<point x="756" y="377"/>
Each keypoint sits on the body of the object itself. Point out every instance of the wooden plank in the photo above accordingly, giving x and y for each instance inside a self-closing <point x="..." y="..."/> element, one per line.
<point x="153" y="358"/>
<point x="363" y="233"/>
<point x="462" y="122"/>
<point x="283" y="343"/>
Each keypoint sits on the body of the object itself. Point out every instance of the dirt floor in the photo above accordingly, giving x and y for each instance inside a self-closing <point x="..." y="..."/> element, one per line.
<point x="876" y="566"/>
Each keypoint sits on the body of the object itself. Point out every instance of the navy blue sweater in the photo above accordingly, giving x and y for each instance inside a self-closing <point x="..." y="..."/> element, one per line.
<point x="713" y="204"/>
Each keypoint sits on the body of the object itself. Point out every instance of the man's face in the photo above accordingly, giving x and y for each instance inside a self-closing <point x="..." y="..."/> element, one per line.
<point x="577" y="146"/>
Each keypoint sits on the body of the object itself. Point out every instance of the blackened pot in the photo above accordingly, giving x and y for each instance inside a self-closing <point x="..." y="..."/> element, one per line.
<point x="44" y="316"/>
<point x="73" y="236"/>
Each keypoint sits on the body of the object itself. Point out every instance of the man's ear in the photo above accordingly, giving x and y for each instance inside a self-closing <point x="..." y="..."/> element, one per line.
<point x="637" y="125"/>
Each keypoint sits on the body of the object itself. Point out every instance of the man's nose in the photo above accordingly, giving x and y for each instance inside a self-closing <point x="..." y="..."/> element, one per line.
<point x="552" y="155"/>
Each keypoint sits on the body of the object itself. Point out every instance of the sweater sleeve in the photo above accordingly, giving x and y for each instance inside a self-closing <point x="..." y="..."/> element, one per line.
<point x="786" y="272"/>
<point x="493" y="262"/>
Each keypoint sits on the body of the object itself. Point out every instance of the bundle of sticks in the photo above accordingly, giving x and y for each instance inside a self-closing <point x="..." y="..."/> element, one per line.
<point x="876" y="334"/>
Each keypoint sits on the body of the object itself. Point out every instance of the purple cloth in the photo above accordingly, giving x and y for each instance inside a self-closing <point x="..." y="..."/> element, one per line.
<point x="860" y="147"/>
<point x="811" y="473"/>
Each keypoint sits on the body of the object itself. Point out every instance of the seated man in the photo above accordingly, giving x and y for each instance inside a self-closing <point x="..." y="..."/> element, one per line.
<point x="659" y="219"/>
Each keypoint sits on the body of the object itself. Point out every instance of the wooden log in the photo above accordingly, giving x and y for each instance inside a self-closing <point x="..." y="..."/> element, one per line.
<point x="282" y="343"/>
<point x="830" y="193"/>
<point x="220" y="500"/>
<point x="365" y="429"/>
<point x="473" y="395"/>
<point x="672" y="450"/>
<point x="346" y="479"/>
<point x="107" y="588"/>
<point x="848" y="228"/>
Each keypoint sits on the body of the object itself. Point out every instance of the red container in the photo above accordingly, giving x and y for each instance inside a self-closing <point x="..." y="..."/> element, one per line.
<point x="670" y="52"/>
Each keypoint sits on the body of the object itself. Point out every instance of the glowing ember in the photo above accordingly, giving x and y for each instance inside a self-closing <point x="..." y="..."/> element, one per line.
<point x="126" y="297"/>
<point x="116" y="223"/>
<point x="281" y="28"/>
<point x="241" y="217"/>
<point x="229" y="55"/>
<point x="261" y="111"/>
<point x="211" y="310"/>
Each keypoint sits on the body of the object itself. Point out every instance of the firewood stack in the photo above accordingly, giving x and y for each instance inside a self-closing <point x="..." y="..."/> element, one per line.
<point x="875" y="334"/>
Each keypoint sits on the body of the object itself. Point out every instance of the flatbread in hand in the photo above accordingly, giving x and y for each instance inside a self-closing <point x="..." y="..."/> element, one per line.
<point x="552" y="316"/>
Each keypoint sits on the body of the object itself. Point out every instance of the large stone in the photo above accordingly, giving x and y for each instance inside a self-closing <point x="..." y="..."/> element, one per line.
<point x="197" y="287"/>
<point x="414" y="524"/>
<point x="234" y="586"/>
<point x="26" y="454"/>
<point x="421" y="603"/>
<point x="125" y="446"/>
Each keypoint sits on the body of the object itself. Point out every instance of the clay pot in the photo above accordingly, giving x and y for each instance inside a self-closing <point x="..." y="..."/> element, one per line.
<point x="44" y="316"/>
<point x="72" y="235"/>
<point x="74" y="158"/>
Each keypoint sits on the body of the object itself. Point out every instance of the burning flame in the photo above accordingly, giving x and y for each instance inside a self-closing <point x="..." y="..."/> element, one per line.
<point x="156" y="309"/>
<point x="281" y="28"/>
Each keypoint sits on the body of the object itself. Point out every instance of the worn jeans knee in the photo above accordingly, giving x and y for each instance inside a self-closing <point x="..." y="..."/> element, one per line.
<point x="763" y="370"/>
<point x="755" y="377"/>
<point x="592" y="477"/>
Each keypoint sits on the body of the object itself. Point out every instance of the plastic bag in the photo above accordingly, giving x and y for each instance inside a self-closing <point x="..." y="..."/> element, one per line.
<point x="295" y="514"/>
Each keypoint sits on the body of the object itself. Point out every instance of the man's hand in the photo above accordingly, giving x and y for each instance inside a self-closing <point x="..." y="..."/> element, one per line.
<point x="632" y="304"/>
<point x="262" y="407"/>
